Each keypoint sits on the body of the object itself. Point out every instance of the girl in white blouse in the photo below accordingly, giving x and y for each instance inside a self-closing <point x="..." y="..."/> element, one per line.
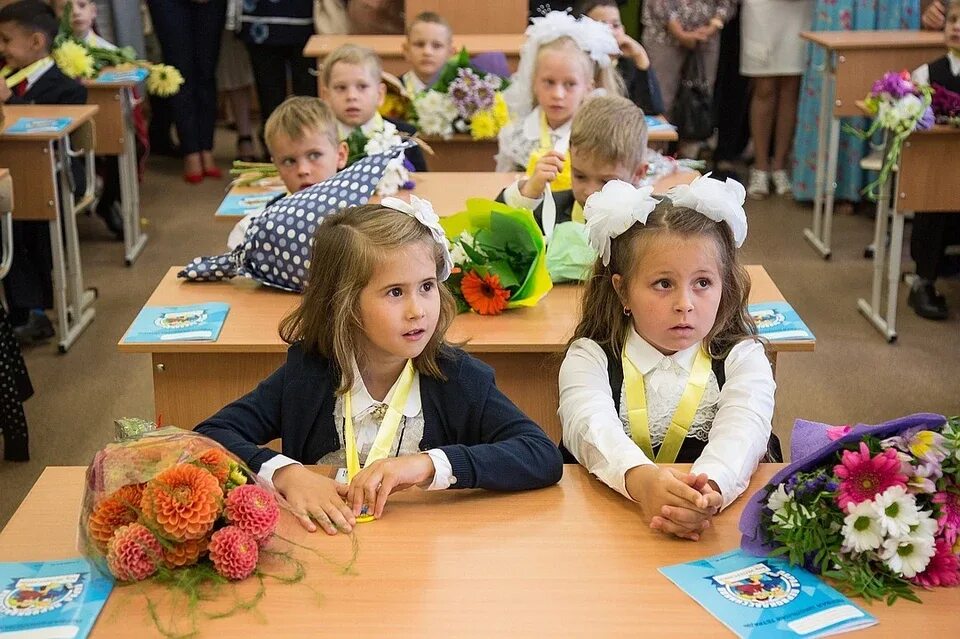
<point x="665" y="365"/>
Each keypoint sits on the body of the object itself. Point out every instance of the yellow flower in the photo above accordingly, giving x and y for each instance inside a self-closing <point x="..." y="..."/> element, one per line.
<point x="394" y="106"/>
<point x="164" y="80"/>
<point x="74" y="60"/>
<point x="483" y="125"/>
<point x="500" y="111"/>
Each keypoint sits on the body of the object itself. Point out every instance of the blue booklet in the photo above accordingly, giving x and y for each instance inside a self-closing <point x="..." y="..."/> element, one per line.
<point x="239" y="205"/>
<point x="38" y="125"/>
<point x="766" y="597"/>
<point x="138" y="74"/>
<point x="195" y="323"/>
<point x="654" y="123"/>
<point x="51" y="599"/>
<point x="778" y="321"/>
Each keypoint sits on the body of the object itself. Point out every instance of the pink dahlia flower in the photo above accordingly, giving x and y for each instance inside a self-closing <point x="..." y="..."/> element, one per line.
<point x="253" y="510"/>
<point x="233" y="552"/>
<point x="133" y="553"/>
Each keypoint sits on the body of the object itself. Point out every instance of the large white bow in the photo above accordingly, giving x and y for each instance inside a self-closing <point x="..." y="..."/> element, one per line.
<point x="422" y="211"/>
<point x="719" y="201"/>
<point x="614" y="209"/>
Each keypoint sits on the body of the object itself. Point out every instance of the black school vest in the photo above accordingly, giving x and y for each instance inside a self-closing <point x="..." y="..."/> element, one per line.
<point x="941" y="74"/>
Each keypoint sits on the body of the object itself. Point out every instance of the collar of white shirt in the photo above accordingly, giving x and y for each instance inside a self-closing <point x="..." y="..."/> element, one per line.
<point x="954" y="61"/>
<point x="39" y="71"/>
<point x="531" y="129"/>
<point x="372" y="125"/>
<point x="646" y="358"/>
<point x="412" y="82"/>
<point x="95" y="40"/>
<point x="362" y="402"/>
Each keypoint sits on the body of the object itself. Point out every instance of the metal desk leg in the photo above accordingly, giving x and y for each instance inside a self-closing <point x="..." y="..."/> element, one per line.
<point x="825" y="131"/>
<point x="133" y="237"/>
<point x="888" y="260"/>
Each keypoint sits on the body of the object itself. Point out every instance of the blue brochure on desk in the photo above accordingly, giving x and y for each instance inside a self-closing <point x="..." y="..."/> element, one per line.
<point x="235" y="205"/>
<point x="138" y="74"/>
<point x="655" y="123"/>
<point x="26" y="126"/>
<point x="778" y="321"/>
<point x="766" y="597"/>
<point x="195" y="323"/>
<point x="51" y="599"/>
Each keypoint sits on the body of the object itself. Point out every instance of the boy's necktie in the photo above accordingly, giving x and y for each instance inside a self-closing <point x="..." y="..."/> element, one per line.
<point x="20" y="88"/>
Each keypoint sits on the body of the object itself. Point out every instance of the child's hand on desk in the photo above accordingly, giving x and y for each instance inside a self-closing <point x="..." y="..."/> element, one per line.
<point x="373" y="484"/>
<point x="672" y="500"/>
<point x="547" y="169"/>
<point x="314" y="498"/>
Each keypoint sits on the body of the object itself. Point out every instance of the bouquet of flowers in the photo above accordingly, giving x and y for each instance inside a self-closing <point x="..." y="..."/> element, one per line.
<point x="946" y="106"/>
<point x="78" y="59"/>
<point x="397" y="174"/>
<point x="874" y="508"/>
<point x="899" y="107"/>
<point x="462" y="100"/>
<point x="499" y="258"/>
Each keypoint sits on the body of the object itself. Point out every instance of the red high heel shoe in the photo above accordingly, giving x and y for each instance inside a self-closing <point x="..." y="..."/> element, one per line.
<point x="212" y="172"/>
<point x="193" y="178"/>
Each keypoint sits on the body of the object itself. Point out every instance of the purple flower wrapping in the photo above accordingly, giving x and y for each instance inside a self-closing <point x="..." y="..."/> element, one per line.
<point x="810" y="446"/>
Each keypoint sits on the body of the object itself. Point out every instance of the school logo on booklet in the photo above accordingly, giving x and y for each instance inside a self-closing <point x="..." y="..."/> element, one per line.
<point x="37" y="595"/>
<point x="182" y="319"/>
<point x="768" y="318"/>
<point x="758" y="586"/>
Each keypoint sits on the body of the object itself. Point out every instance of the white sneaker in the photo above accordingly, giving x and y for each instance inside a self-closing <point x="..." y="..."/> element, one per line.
<point x="781" y="182"/>
<point x="759" y="186"/>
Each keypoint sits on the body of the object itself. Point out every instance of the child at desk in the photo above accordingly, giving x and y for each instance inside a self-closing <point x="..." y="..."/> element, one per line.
<point x="933" y="232"/>
<point x="608" y="141"/>
<point x="27" y="31"/>
<point x="428" y="45"/>
<point x="352" y="87"/>
<point x="303" y="142"/>
<point x="562" y="60"/>
<point x="665" y="365"/>
<point x="369" y="379"/>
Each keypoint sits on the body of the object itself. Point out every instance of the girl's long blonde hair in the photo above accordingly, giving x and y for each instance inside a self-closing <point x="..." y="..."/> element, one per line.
<point x="604" y="77"/>
<point x="601" y="315"/>
<point x="347" y="247"/>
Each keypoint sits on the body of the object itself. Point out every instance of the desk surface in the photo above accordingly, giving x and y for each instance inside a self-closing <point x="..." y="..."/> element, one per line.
<point x="256" y="311"/>
<point x="574" y="559"/>
<point x="895" y="39"/>
<point x="389" y="46"/>
<point x="79" y="112"/>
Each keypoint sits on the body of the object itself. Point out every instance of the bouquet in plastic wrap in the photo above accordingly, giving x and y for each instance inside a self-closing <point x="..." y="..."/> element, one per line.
<point x="167" y="500"/>
<point x="876" y="509"/>
<point x="499" y="257"/>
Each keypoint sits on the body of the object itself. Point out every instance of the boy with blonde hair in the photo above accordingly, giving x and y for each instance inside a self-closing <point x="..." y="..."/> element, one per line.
<point x="429" y="44"/>
<point x="608" y="141"/>
<point x="352" y="86"/>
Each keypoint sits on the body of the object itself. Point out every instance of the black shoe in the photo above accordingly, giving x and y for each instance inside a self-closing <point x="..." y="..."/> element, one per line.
<point x="112" y="218"/>
<point x="926" y="301"/>
<point x="37" y="329"/>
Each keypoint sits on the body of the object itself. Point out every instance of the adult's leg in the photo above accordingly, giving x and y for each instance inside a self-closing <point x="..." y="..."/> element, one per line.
<point x="173" y="23"/>
<point x="208" y="20"/>
<point x="302" y="71"/>
<point x="788" y="94"/>
<point x="268" y="65"/>
<point x="667" y="60"/>
<point x="731" y="97"/>
<point x="763" y="108"/>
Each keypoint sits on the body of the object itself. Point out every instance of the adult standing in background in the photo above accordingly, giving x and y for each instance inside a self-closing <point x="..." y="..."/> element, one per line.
<point x="839" y="15"/>
<point x="731" y="103"/>
<point x="189" y="32"/>
<point x="376" y="16"/>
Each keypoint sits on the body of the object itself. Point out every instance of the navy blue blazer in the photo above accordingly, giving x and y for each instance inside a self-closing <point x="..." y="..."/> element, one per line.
<point x="490" y="443"/>
<point x="53" y="87"/>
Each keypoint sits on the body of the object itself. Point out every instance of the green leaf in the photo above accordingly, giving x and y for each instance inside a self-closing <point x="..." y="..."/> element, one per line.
<point x="503" y="270"/>
<point x="356" y="146"/>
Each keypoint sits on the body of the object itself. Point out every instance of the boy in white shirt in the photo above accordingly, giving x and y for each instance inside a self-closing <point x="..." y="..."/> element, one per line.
<point x="428" y="46"/>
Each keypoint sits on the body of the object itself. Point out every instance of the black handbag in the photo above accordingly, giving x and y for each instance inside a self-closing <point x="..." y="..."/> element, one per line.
<point x="693" y="107"/>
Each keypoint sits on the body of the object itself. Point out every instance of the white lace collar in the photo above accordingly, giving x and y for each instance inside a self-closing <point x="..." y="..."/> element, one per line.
<point x="362" y="402"/>
<point x="646" y="358"/>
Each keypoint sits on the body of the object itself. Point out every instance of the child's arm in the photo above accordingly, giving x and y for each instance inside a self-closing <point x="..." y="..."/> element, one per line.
<point x="742" y="425"/>
<point x="5" y="92"/>
<point x="314" y="498"/>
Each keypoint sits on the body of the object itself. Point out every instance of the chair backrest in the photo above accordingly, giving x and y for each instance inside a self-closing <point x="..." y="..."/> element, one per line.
<point x="492" y="62"/>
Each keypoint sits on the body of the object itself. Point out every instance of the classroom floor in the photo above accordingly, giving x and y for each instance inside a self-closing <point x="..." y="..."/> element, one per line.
<point x="854" y="375"/>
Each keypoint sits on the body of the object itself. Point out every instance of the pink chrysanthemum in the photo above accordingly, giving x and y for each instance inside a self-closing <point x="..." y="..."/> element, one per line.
<point x="862" y="477"/>
<point x="949" y="519"/>
<point x="253" y="510"/>
<point x="943" y="569"/>
<point x="233" y="552"/>
<point x="133" y="553"/>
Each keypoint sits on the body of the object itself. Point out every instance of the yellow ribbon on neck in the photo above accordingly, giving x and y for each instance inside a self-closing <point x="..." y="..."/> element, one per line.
<point x="682" y="417"/>
<point x="13" y="79"/>
<point x="385" y="434"/>
<point x="563" y="181"/>
<point x="577" y="214"/>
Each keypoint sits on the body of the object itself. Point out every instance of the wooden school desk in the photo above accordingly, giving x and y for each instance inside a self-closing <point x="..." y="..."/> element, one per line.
<point x="572" y="560"/>
<point x="192" y="380"/>
<point x="924" y="182"/>
<point x="388" y="48"/>
<point x="491" y="16"/>
<point x="854" y="61"/>
<point x="117" y="136"/>
<point x="39" y="165"/>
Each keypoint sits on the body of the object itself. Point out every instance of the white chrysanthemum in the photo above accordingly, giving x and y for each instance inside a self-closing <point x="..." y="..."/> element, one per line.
<point x="383" y="141"/>
<point x="896" y="511"/>
<point x="908" y="556"/>
<point x="926" y="528"/>
<point x="614" y="209"/>
<point x="457" y="254"/>
<point x="779" y="498"/>
<point x="861" y="528"/>
<point x="395" y="175"/>
<point x="435" y="113"/>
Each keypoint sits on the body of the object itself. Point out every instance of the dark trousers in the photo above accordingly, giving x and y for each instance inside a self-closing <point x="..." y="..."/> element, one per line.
<point x="189" y="34"/>
<point x="271" y="65"/>
<point x="29" y="284"/>
<point x="932" y="234"/>
<point x="731" y="97"/>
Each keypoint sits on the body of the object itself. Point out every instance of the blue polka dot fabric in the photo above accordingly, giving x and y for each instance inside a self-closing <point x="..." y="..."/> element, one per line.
<point x="279" y="241"/>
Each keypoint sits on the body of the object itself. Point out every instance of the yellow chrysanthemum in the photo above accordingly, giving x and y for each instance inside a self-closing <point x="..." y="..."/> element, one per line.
<point x="501" y="114"/>
<point x="483" y="125"/>
<point x="74" y="60"/>
<point x="394" y="106"/>
<point x="164" y="80"/>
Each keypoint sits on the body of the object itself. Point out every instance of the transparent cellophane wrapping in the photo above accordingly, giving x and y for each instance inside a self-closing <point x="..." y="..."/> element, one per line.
<point x="122" y="470"/>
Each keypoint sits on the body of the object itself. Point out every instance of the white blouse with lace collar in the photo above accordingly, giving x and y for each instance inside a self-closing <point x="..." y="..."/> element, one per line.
<point x="517" y="140"/>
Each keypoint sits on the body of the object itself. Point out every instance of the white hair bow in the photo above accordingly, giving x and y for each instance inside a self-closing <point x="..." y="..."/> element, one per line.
<point x="422" y="211"/>
<point x="614" y="209"/>
<point x="719" y="201"/>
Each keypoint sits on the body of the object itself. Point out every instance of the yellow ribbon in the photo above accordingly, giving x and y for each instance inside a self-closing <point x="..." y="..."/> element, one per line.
<point x="682" y="417"/>
<point x="21" y="75"/>
<point x="563" y="181"/>
<point x="577" y="214"/>
<point x="385" y="434"/>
